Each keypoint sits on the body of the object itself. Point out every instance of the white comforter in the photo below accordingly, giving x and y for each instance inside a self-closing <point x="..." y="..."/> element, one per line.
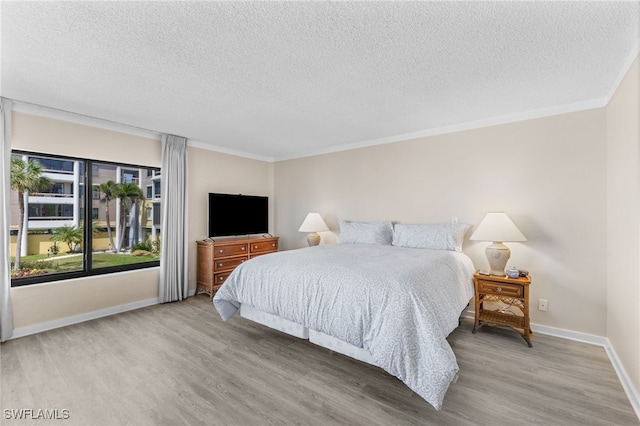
<point x="398" y="303"/>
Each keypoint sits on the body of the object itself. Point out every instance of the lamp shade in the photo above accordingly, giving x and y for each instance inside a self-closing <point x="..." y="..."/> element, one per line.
<point x="497" y="227"/>
<point x="313" y="223"/>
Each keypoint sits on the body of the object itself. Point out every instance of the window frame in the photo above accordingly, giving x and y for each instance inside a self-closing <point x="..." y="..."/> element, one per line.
<point x="87" y="269"/>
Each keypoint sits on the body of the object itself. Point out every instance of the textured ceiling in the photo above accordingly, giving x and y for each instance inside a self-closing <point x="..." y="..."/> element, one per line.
<point x="276" y="80"/>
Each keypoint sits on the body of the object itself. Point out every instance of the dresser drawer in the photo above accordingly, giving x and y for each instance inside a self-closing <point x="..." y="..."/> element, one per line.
<point x="230" y="250"/>
<point x="227" y="264"/>
<point x="504" y="289"/>
<point x="220" y="278"/>
<point x="264" y="246"/>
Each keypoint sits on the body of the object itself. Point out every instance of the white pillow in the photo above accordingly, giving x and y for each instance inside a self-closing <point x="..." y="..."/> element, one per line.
<point x="365" y="232"/>
<point x="436" y="236"/>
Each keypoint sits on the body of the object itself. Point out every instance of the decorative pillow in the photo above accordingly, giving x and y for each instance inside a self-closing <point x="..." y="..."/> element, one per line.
<point x="436" y="236"/>
<point x="366" y="232"/>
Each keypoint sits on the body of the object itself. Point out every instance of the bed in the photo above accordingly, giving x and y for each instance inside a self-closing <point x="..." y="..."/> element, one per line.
<point x="389" y="305"/>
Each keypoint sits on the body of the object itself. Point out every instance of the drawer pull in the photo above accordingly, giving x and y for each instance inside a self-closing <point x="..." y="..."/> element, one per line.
<point x="219" y="265"/>
<point x="499" y="289"/>
<point x="255" y="247"/>
<point x="273" y="244"/>
<point x="220" y="278"/>
<point x="242" y="248"/>
<point x="220" y="250"/>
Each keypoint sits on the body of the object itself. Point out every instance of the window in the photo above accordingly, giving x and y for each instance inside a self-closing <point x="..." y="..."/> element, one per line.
<point x="156" y="214"/>
<point x="50" y="211"/>
<point x="68" y="235"/>
<point x="55" y="165"/>
<point x="156" y="189"/>
<point x="55" y="188"/>
<point x="149" y="192"/>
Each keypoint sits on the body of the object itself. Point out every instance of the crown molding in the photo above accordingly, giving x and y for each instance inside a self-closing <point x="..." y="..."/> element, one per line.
<point x="85" y="120"/>
<point x="623" y="72"/>
<point x="214" y="148"/>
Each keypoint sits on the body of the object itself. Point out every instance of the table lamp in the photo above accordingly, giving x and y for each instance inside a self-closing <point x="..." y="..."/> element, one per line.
<point x="498" y="228"/>
<point x="313" y="224"/>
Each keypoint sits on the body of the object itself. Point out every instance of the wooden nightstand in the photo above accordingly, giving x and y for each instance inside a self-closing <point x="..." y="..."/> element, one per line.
<point x="513" y="292"/>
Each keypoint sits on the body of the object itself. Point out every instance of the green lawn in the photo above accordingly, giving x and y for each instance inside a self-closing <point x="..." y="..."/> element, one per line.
<point x="103" y="260"/>
<point x="74" y="262"/>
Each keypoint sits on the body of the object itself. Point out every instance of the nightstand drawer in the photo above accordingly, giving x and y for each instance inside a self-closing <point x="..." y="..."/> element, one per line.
<point x="504" y="289"/>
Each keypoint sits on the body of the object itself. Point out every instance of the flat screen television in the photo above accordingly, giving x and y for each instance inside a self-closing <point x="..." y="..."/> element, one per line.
<point x="237" y="214"/>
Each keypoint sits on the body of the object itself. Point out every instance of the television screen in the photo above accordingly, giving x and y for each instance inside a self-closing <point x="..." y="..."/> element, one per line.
<point x="236" y="214"/>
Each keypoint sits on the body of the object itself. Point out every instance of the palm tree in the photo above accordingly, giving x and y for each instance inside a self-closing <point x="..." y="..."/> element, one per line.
<point x="129" y="194"/>
<point x="26" y="176"/>
<point x="71" y="235"/>
<point x="109" y="189"/>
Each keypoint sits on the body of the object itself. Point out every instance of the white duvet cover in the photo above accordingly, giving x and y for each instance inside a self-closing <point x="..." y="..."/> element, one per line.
<point x="398" y="303"/>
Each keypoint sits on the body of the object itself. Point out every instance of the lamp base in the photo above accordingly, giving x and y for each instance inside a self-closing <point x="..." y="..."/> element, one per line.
<point x="313" y="239"/>
<point x="497" y="254"/>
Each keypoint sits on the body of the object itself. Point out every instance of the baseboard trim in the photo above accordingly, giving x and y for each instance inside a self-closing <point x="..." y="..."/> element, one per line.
<point x="629" y="388"/>
<point x="88" y="316"/>
<point x="627" y="384"/>
<point x="569" y="334"/>
<point x="75" y="319"/>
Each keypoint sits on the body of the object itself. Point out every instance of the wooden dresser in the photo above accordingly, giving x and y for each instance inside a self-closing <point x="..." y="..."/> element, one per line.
<point x="218" y="258"/>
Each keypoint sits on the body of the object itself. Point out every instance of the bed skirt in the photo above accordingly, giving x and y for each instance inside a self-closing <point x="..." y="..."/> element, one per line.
<point x="296" y="330"/>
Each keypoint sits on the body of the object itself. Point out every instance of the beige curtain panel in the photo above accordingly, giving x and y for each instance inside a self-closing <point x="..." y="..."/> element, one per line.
<point x="174" y="283"/>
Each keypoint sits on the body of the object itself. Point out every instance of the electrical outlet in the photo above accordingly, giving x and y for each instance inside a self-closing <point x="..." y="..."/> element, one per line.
<point x="543" y="305"/>
<point x="454" y="219"/>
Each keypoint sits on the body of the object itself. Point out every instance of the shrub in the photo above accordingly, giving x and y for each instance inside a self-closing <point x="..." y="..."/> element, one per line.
<point x="34" y="267"/>
<point x="156" y="245"/>
<point x="25" y="272"/>
<point x="141" y="246"/>
<point x="38" y="264"/>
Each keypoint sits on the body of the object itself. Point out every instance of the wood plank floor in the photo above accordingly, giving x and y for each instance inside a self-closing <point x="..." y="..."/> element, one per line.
<point x="178" y="363"/>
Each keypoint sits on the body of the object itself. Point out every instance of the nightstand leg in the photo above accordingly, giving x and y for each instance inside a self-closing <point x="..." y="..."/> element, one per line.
<point x="526" y="336"/>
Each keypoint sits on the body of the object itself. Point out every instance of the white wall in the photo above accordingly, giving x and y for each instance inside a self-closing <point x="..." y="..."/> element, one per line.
<point x="548" y="174"/>
<point x="623" y="223"/>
